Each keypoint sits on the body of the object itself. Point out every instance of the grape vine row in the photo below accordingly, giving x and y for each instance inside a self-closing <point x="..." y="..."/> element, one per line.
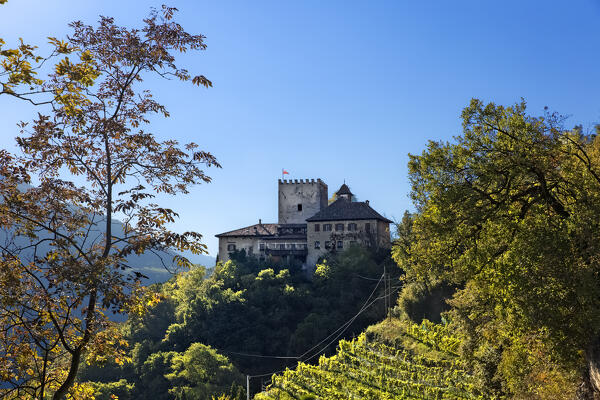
<point x="371" y="370"/>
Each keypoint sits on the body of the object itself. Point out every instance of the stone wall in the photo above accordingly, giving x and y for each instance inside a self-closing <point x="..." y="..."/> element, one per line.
<point x="377" y="236"/>
<point x="248" y="243"/>
<point x="301" y="199"/>
<point x="383" y="235"/>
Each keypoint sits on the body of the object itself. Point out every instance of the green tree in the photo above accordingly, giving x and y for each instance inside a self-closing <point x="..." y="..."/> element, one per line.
<point x="201" y="373"/>
<point x="509" y="213"/>
<point x="241" y="307"/>
<point x="106" y="391"/>
<point x="152" y="376"/>
<point x="424" y="298"/>
<point x="65" y="266"/>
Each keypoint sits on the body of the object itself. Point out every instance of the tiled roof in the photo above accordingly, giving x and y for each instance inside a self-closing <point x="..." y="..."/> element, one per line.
<point x="344" y="189"/>
<point x="253" y="230"/>
<point x="273" y="231"/>
<point x="342" y="209"/>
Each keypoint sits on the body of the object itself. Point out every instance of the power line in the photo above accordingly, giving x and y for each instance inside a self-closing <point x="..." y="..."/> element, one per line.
<point x="343" y="328"/>
<point x="267" y="374"/>
<point x="340" y="334"/>
<point x="315" y="346"/>
<point x="385" y="306"/>
<point x="396" y="288"/>
<point x="346" y="323"/>
<point x="367" y="278"/>
<point x="360" y="312"/>
<point x="374" y="279"/>
<point x="257" y="355"/>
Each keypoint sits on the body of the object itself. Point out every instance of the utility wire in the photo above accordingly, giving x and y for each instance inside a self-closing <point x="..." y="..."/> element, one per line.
<point x="267" y="374"/>
<point x="347" y="323"/>
<point x="343" y="326"/>
<point x="365" y="307"/>
<point x="376" y="279"/>
<point x="396" y="288"/>
<point x="257" y="355"/>
<point x="315" y="346"/>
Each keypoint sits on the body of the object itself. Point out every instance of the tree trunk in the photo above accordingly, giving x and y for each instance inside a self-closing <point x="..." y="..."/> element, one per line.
<point x="589" y="389"/>
<point x="64" y="388"/>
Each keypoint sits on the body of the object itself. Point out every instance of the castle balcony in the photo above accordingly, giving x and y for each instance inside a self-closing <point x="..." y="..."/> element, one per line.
<point x="287" y="252"/>
<point x="285" y="249"/>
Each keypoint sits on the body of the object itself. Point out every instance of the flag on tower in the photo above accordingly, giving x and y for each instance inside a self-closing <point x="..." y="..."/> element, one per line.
<point x="284" y="172"/>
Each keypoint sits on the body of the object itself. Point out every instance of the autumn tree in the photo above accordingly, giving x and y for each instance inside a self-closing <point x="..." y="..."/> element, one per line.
<point x="509" y="215"/>
<point x="85" y="160"/>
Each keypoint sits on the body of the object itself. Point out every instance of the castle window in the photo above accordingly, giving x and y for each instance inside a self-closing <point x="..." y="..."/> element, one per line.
<point x="367" y="227"/>
<point x="231" y="247"/>
<point x="282" y="246"/>
<point x="326" y="227"/>
<point x="317" y="245"/>
<point x="351" y="227"/>
<point x="317" y="227"/>
<point x="340" y="244"/>
<point x="339" y="227"/>
<point x="293" y="246"/>
<point x="261" y="247"/>
<point x="327" y="244"/>
<point x="299" y="207"/>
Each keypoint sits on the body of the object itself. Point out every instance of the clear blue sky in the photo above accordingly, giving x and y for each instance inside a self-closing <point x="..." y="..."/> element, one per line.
<point x="339" y="89"/>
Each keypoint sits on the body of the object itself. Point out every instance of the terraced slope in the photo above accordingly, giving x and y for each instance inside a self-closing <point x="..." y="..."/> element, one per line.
<point x="370" y="369"/>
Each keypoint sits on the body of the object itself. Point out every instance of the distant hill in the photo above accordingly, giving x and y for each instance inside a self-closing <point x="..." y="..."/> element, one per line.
<point x="151" y="265"/>
<point x="201" y="259"/>
<point x="157" y="267"/>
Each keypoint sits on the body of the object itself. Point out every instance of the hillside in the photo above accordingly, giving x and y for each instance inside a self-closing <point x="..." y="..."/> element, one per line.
<point x="158" y="267"/>
<point x="391" y="360"/>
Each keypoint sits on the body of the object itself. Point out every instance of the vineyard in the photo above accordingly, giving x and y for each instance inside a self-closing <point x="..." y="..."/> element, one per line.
<point x="368" y="369"/>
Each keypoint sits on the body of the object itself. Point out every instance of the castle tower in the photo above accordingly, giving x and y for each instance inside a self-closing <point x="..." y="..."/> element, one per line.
<point x="344" y="193"/>
<point x="301" y="199"/>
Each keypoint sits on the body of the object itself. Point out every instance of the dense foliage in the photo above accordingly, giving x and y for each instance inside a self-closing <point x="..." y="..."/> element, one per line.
<point x="508" y="218"/>
<point x="247" y="312"/>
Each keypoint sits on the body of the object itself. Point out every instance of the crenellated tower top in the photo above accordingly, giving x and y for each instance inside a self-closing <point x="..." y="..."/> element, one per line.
<point x="300" y="199"/>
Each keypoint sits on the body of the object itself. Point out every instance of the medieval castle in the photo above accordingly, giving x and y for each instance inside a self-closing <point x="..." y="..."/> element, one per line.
<point x="308" y="227"/>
